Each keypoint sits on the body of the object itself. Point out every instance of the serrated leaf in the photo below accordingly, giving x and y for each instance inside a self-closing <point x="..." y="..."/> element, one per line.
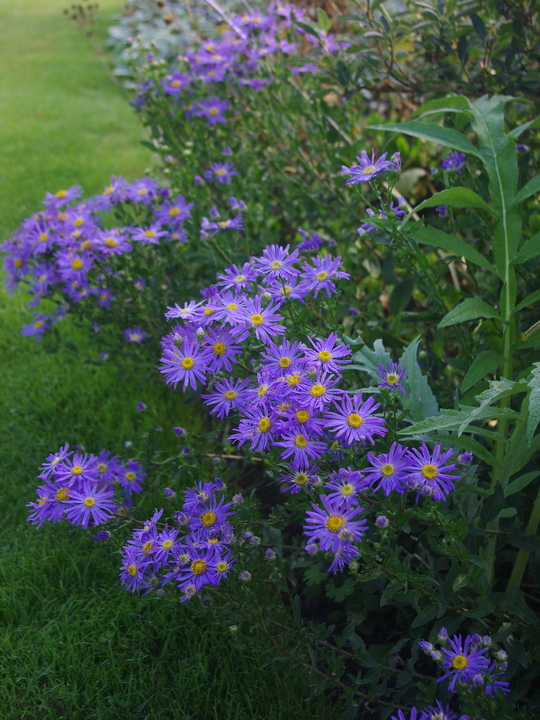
<point x="520" y="483"/>
<point x="419" y="398"/>
<point x="469" y="309"/>
<point x="434" y="133"/>
<point x="497" y="390"/>
<point x="454" y="418"/>
<point x="533" y="186"/>
<point x="456" y="197"/>
<point x="451" y="243"/>
<point x="484" y="363"/>
<point x="534" y="402"/>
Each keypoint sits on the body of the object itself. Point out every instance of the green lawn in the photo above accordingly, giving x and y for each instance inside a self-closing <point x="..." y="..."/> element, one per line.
<point x="73" y="643"/>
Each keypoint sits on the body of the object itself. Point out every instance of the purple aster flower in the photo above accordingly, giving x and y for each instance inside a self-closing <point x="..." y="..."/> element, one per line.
<point x="391" y="374"/>
<point x="133" y="568"/>
<point x="212" y="110"/>
<point x="276" y="263"/>
<point x="49" y="466"/>
<point x="190" y="311"/>
<point x="150" y="235"/>
<point x="429" y="474"/>
<point x="131" y="478"/>
<point x="102" y="536"/>
<point x="281" y="357"/>
<point x="442" y="210"/>
<point x="245" y="576"/>
<point x="310" y="243"/>
<point x="62" y="197"/>
<point x="262" y="320"/>
<point x="389" y="471"/>
<point x="382" y="521"/>
<point x="270" y="555"/>
<point x="438" y="712"/>
<point x="344" y="555"/>
<point x="135" y="334"/>
<point x="222" y="172"/>
<point x="108" y="467"/>
<point x="354" y="422"/>
<point x="397" y="212"/>
<point x="141" y="407"/>
<point x="174" y="211"/>
<point x="79" y="468"/>
<point x="229" y="394"/>
<point x="465" y="458"/>
<point x="345" y="485"/>
<point x="235" y="223"/>
<point x="522" y="148"/>
<point x="413" y="715"/>
<point x="112" y="242"/>
<point x="321" y="276"/>
<point x="234" y="277"/>
<point x="222" y="350"/>
<point x="143" y="190"/>
<point x="462" y="661"/>
<point x="188" y="363"/>
<point x="367" y="168"/>
<point x="179" y="431"/>
<point x="257" y="428"/>
<point x="454" y="161"/>
<point x="300" y="476"/>
<point x="303" y="447"/>
<point x="333" y="525"/>
<point x="174" y="82"/>
<point x="328" y="353"/>
<point x="493" y="685"/>
<point x="319" y="391"/>
<point x="37" y="327"/>
<point x="90" y="505"/>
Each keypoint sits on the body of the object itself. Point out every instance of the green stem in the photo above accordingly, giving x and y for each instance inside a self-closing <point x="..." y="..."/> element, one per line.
<point x="523" y="555"/>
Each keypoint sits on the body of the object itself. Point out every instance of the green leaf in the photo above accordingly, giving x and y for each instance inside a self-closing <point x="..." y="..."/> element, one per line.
<point x="460" y="581"/>
<point x="521" y="483"/>
<point x="529" y="250"/>
<point x="478" y="24"/>
<point x="368" y="359"/>
<point x="323" y="20"/>
<point x="529" y="300"/>
<point x="452" y="103"/>
<point x="401" y="295"/>
<point x="457" y="197"/>
<point x="520" y="129"/>
<point x="434" y="133"/>
<point x="454" y="418"/>
<point x="534" y="402"/>
<point x="533" y="186"/>
<point x="419" y="398"/>
<point x="340" y="593"/>
<point x="451" y="243"/>
<point x="493" y="504"/>
<point x="469" y="443"/>
<point x="469" y="309"/>
<point x="483" y="364"/>
<point x="497" y="390"/>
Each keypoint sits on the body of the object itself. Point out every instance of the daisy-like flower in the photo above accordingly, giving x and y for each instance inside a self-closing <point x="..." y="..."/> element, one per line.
<point x="300" y="476"/>
<point x="258" y="428"/>
<point x="212" y="110"/>
<point x="389" y="471"/>
<point x="37" y="327"/>
<point x="276" y="263"/>
<point x="328" y="354"/>
<point x="190" y="311"/>
<point x="318" y="392"/>
<point x="134" y="567"/>
<point x="412" y="715"/>
<point x="197" y="572"/>
<point x="303" y="447"/>
<point x="211" y="516"/>
<point x="345" y="485"/>
<point x="174" y="211"/>
<point x="333" y="525"/>
<point x="235" y="223"/>
<point x="149" y="235"/>
<point x="322" y="275"/>
<point x="112" y="242"/>
<point x="91" y="504"/>
<point x="264" y="322"/>
<point x="134" y="334"/>
<point x="237" y="278"/>
<point x="222" y="350"/>
<point x="220" y="171"/>
<point x="355" y="422"/>
<point x="463" y="661"/>
<point x="281" y="357"/>
<point x="188" y="363"/>
<point x="229" y="394"/>
<point x="131" y="478"/>
<point x="49" y="466"/>
<point x="438" y="712"/>
<point x="454" y="161"/>
<point x="428" y="472"/>
<point x="62" y="197"/>
<point x="367" y="168"/>
<point x="391" y="374"/>
<point x="79" y="468"/>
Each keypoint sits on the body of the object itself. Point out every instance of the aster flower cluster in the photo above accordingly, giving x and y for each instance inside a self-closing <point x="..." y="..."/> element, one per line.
<point x="192" y="554"/>
<point x="291" y="402"/>
<point x="466" y="664"/>
<point x="67" y="249"/>
<point x="85" y="489"/>
<point x="239" y="57"/>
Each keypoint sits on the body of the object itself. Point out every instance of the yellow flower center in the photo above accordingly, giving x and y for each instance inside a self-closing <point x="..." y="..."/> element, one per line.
<point x="219" y="172"/>
<point x="276" y="264"/>
<point x="257" y="319"/>
<point x="317" y="390"/>
<point x="18" y="262"/>
<point x="429" y="471"/>
<point x="230" y="394"/>
<point x="143" y="191"/>
<point x="232" y="306"/>
<point x="263" y="389"/>
<point x="174" y="211"/>
<point x="87" y="245"/>
<point x="208" y="311"/>
<point x="187" y="363"/>
<point x="198" y="567"/>
<point x="354" y="420"/>
<point x="368" y="170"/>
<point x="61" y="194"/>
<point x="388" y="470"/>
<point x="264" y="425"/>
<point x="62" y="494"/>
<point x="78" y="222"/>
<point x="293" y="380"/>
<point x="239" y="278"/>
<point x="284" y="362"/>
<point x="38" y="324"/>
<point x="101" y="468"/>
<point x="459" y="662"/>
<point x="334" y="523"/>
<point x="285" y="290"/>
<point x="221" y="566"/>
<point x="302" y="416"/>
<point x="150" y="234"/>
<point x="322" y="276"/>
<point x="132" y="570"/>
<point x="301" y="478"/>
<point x="347" y="489"/>
<point x="62" y="216"/>
<point x="325" y="356"/>
<point x="108" y="190"/>
<point x="223" y="223"/>
<point x="111" y="242"/>
<point x="147" y="547"/>
<point x="208" y="518"/>
<point x="89" y="502"/>
<point x="300" y="441"/>
<point x="219" y="348"/>
<point x="130" y="476"/>
<point x="167" y="544"/>
<point x="392" y="378"/>
<point x="77" y="264"/>
<point x="76" y="470"/>
<point x="43" y="237"/>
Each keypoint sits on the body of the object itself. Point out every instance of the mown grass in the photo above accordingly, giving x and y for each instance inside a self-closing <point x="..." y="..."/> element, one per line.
<point x="73" y="644"/>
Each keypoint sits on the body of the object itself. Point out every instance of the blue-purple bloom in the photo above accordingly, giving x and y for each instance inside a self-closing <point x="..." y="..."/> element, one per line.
<point x="367" y="168"/>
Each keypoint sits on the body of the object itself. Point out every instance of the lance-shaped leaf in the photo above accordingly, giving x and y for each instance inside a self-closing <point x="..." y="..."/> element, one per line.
<point x="532" y="187"/>
<point x="529" y="250"/>
<point x="497" y="390"/>
<point x="419" y="398"/>
<point x="451" y="243"/>
<point x="453" y="103"/>
<point x="529" y="300"/>
<point x="534" y="402"/>
<point x="454" y="418"/>
<point x="435" y="133"/>
<point x="469" y="309"/>
<point x="456" y="197"/>
<point x="483" y="364"/>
